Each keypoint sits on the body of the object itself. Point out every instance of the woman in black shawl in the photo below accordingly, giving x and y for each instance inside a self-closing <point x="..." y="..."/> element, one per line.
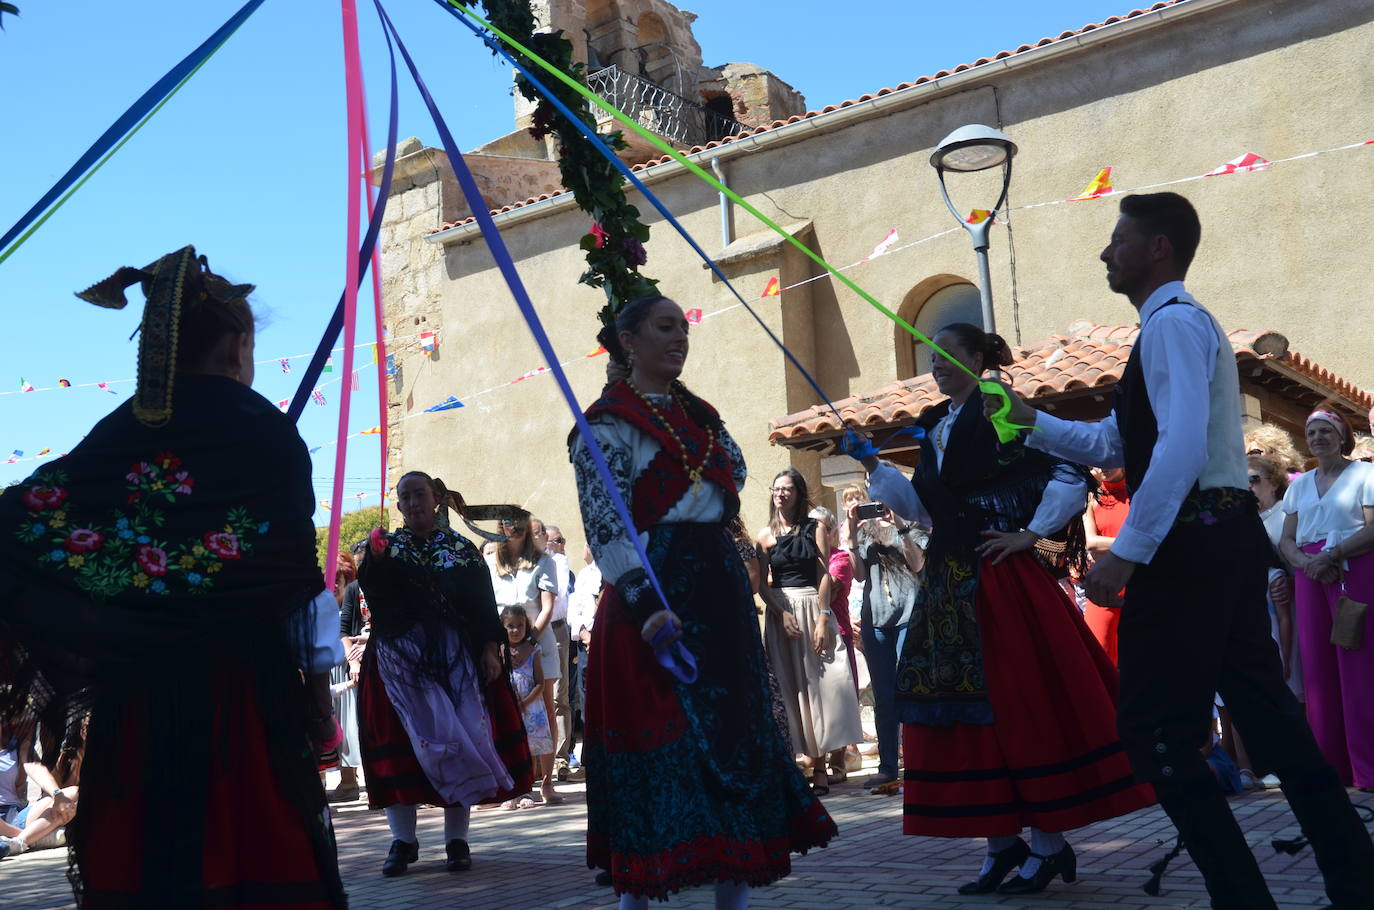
<point x="163" y="577"/>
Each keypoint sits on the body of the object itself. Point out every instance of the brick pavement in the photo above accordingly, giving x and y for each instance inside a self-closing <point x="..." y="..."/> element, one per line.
<point x="532" y="860"/>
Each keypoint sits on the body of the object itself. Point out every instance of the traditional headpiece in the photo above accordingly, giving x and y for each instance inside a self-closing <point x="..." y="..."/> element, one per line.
<point x="1330" y="417"/>
<point x="176" y="281"/>
<point x="452" y="499"/>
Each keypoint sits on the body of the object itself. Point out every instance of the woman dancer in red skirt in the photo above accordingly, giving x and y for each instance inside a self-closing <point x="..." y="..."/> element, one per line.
<point x="1006" y="699"/>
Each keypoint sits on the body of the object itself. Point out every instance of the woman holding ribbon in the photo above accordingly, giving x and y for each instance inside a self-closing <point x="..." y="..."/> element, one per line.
<point x="1007" y="701"/>
<point x="438" y="722"/>
<point x="1328" y="538"/>
<point x="688" y="782"/>
<point x="163" y="577"/>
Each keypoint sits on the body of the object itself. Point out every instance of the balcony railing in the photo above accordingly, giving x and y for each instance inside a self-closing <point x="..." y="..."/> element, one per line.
<point x="666" y="113"/>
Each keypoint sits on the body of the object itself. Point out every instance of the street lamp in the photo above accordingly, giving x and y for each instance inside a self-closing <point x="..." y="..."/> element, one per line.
<point x="976" y="148"/>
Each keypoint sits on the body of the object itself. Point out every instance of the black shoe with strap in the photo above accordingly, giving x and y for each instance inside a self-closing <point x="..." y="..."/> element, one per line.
<point x="1063" y="863"/>
<point x="399" y="858"/>
<point x="459" y="856"/>
<point x="1003" y="861"/>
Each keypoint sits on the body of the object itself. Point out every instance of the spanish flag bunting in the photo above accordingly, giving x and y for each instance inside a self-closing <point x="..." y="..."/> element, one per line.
<point x="600" y="349"/>
<point x="978" y="216"/>
<point x="693" y="317"/>
<point x="372" y="431"/>
<point x="373" y="348"/>
<point x="324" y="504"/>
<point x="1245" y="163"/>
<point x="44" y="452"/>
<point x="64" y="383"/>
<point x="1101" y="186"/>
<point x="773" y="288"/>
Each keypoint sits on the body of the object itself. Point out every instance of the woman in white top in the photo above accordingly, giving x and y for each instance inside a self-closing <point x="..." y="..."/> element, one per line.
<point x="1328" y="536"/>
<point x="524" y="576"/>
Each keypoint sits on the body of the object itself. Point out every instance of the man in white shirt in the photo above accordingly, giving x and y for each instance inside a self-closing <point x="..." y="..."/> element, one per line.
<point x="581" y="618"/>
<point x="550" y="539"/>
<point x="1192" y="559"/>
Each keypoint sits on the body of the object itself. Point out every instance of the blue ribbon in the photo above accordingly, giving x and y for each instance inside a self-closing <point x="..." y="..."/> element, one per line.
<point x="374" y="227"/>
<point x="600" y="145"/>
<point x="130" y="118"/>
<point x="497" y="246"/>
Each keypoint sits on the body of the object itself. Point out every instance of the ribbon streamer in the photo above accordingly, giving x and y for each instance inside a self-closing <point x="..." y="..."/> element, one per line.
<point x="599" y="144"/>
<point x="497" y="246"/>
<point x="331" y="333"/>
<point x="121" y="131"/>
<point x="1006" y="431"/>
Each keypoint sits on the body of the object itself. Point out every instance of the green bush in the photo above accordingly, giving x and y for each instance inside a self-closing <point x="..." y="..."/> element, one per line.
<point x="353" y="527"/>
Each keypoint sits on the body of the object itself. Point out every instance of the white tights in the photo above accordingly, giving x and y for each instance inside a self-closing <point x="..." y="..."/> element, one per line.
<point x="401" y="821"/>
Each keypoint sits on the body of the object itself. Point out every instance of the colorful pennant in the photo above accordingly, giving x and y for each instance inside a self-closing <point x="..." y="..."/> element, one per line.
<point x="1244" y="164"/>
<point x="25" y="385"/>
<point x="1100" y="186"/>
<point x="64" y="383"/>
<point x="978" y="216"/>
<point x="883" y="246"/>
<point x="285" y="365"/>
<point x="773" y="288"/>
<point x="693" y="317"/>
<point x="448" y="404"/>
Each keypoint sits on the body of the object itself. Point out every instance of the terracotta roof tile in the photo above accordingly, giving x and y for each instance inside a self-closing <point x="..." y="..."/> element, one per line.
<point x="981" y="61"/>
<point x="1090" y="356"/>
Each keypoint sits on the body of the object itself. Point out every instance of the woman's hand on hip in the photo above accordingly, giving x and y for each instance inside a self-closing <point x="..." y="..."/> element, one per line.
<point x="1000" y="544"/>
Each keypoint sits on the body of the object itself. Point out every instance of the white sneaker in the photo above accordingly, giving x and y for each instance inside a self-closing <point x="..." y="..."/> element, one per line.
<point x="1270" y="782"/>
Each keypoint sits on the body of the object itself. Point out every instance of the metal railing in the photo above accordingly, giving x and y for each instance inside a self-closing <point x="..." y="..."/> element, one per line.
<point x="657" y="109"/>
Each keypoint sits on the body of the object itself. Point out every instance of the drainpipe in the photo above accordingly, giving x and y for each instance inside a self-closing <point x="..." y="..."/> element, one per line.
<point x="725" y="237"/>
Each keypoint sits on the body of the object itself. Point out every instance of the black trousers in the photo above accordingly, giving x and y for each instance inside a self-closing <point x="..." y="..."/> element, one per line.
<point x="1194" y="623"/>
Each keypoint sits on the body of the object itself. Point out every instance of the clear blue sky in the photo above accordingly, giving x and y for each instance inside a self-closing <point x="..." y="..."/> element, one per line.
<point x="247" y="162"/>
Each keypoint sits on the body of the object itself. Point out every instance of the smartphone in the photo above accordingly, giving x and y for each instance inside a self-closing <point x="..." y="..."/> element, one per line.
<point x="870" y="510"/>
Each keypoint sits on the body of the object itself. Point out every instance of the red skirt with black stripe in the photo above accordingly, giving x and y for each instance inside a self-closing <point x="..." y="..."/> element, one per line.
<point x="393" y="773"/>
<point x="1051" y="759"/>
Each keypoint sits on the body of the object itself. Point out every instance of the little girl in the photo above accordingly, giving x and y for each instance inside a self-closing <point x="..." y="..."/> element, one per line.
<point x="528" y="681"/>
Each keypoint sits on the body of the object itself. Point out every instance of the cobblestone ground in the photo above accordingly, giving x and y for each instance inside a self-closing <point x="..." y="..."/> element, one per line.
<point x="532" y="858"/>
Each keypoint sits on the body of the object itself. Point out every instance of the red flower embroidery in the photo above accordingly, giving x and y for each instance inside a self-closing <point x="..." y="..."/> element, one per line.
<point x="84" y="540"/>
<point x="152" y="560"/>
<point x="167" y="461"/>
<point x="222" y="544"/>
<point x="40" y="499"/>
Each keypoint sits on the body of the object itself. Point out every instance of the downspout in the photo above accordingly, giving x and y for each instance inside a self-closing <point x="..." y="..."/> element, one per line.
<point x="725" y="238"/>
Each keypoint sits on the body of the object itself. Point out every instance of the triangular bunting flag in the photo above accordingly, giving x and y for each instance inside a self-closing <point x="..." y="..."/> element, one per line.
<point x="600" y="349"/>
<point x="285" y="365"/>
<point x="391" y="364"/>
<point x="353" y="385"/>
<point x="64" y="383"/>
<point x="105" y="387"/>
<point x="883" y="246"/>
<point x="324" y="504"/>
<point x="447" y="404"/>
<point x="283" y="404"/>
<point x="1247" y="162"/>
<point x="429" y="343"/>
<point x="328" y="365"/>
<point x="1101" y="186"/>
<point x="318" y="397"/>
<point x="373" y="348"/>
<point x="44" y="452"/>
<point x="18" y="454"/>
<point x="978" y="216"/>
<point x="773" y="288"/>
<point x="25" y="385"/>
<point x="693" y="317"/>
<point x="372" y="431"/>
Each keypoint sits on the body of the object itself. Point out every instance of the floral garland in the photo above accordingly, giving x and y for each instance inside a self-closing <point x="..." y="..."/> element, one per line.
<point x="615" y="244"/>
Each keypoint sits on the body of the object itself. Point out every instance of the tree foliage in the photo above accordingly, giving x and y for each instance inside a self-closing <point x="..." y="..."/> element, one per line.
<point x="353" y="527"/>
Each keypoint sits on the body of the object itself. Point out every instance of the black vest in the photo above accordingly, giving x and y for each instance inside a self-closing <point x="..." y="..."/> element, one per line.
<point x="1135" y="417"/>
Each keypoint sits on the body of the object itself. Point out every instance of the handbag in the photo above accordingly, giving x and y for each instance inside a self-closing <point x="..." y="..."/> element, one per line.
<point x="1347" y="630"/>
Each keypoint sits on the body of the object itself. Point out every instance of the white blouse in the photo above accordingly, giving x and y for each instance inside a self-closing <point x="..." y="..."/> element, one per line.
<point x="1339" y="513"/>
<point x="524" y="586"/>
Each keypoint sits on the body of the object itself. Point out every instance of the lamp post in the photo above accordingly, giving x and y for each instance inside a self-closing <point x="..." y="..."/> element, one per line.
<point x="976" y="148"/>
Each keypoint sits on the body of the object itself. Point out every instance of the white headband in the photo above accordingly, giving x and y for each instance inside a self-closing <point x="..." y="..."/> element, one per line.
<point x="1331" y="418"/>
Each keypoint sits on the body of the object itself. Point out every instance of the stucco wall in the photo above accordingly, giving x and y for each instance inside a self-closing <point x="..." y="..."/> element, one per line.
<point x="1281" y="249"/>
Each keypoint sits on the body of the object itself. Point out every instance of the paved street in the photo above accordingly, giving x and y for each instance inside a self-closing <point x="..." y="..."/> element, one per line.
<point x="531" y="859"/>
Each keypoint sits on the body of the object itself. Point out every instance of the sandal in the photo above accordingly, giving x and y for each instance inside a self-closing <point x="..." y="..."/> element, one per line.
<point x="822" y="787"/>
<point x="526" y="802"/>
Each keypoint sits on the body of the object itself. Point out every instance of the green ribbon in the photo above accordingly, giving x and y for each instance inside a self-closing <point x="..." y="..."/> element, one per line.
<point x="1006" y="430"/>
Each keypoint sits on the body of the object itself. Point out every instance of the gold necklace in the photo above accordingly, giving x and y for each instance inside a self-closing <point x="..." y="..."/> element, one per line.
<point x="693" y="473"/>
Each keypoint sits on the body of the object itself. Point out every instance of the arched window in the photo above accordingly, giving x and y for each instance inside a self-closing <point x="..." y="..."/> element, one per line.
<point x="931" y="305"/>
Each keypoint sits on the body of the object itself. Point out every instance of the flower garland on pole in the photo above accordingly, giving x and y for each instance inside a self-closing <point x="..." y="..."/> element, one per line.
<point x="615" y="244"/>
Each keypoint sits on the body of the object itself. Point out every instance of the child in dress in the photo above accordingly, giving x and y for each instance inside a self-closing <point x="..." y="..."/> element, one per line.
<point x="527" y="679"/>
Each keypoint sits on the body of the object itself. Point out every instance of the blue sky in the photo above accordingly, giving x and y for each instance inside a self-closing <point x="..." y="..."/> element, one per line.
<point x="248" y="163"/>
